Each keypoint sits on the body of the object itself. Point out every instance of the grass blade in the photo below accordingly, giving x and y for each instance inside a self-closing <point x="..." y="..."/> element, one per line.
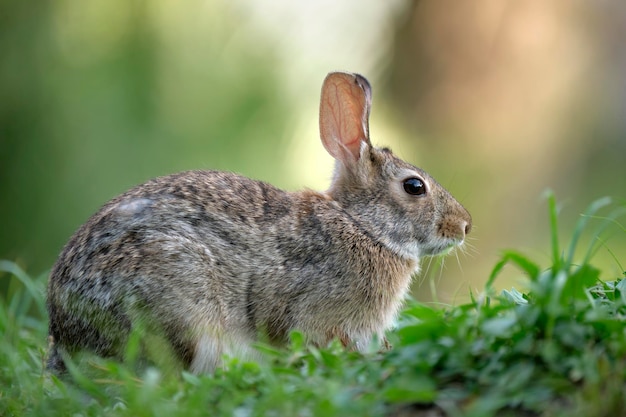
<point x="554" y="230"/>
<point x="581" y="224"/>
<point x="34" y="291"/>
<point x="519" y="260"/>
<point x="607" y="221"/>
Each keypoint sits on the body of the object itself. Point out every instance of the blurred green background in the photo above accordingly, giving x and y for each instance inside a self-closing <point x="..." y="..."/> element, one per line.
<point x="498" y="100"/>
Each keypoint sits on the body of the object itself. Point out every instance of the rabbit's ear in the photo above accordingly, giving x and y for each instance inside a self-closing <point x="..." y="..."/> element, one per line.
<point x="344" y="115"/>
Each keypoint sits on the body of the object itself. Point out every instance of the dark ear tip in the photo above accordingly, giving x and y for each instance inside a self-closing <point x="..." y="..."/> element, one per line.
<point x="362" y="82"/>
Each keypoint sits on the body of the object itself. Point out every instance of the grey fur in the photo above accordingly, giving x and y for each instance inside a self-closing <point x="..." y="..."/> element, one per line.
<point x="209" y="260"/>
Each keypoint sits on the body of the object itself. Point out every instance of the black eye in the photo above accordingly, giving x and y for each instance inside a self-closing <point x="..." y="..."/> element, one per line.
<point x="414" y="186"/>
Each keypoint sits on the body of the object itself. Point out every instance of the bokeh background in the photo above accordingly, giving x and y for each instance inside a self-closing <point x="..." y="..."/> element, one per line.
<point x="499" y="100"/>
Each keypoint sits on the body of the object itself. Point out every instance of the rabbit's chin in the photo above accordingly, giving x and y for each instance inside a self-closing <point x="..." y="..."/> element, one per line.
<point x="415" y="251"/>
<point x="441" y="248"/>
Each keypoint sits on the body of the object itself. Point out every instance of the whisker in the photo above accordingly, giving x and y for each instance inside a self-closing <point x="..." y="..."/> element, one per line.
<point x="426" y="273"/>
<point x="458" y="261"/>
<point x="468" y="249"/>
<point x="442" y="266"/>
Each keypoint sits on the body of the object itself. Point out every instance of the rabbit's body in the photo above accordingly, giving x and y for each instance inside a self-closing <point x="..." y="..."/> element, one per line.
<point x="209" y="260"/>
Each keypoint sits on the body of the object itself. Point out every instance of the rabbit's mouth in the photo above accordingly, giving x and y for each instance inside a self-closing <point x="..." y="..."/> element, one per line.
<point x="442" y="248"/>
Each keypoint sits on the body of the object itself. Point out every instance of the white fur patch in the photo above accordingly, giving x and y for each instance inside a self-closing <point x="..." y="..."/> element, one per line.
<point x="409" y="251"/>
<point x="211" y="348"/>
<point x="133" y="206"/>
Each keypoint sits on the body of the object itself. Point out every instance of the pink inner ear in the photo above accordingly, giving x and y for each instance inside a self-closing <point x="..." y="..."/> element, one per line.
<point x="344" y="112"/>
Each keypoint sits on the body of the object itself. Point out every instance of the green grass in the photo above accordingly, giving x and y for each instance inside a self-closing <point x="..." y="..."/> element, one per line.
<point x="556" y="349"/>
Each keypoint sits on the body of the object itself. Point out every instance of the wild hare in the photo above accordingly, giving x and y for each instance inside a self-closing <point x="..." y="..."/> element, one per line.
<point x="208" y="260"/>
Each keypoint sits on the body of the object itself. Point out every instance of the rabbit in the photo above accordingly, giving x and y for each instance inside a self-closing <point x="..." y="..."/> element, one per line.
<point x="212" y="261"/>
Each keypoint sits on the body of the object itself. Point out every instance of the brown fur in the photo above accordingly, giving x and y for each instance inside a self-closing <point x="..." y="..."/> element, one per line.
<point x="211" y="259"/>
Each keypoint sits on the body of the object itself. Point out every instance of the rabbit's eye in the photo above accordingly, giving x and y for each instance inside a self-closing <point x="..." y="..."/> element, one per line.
<point x="414" y="186"/>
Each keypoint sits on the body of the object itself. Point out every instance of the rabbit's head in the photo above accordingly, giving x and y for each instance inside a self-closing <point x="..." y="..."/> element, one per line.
<point x="399" y="204"/>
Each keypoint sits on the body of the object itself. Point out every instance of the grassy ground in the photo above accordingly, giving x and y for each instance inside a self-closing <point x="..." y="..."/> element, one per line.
<point x="558" y="349"/>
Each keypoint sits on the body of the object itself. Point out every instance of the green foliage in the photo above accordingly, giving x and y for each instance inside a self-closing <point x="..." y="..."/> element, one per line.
<point x="557" y="349"/>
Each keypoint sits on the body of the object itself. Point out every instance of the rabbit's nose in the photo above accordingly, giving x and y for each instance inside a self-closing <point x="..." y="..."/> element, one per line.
<point x="467" y="228"/>
<point x="455" y="228"/>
